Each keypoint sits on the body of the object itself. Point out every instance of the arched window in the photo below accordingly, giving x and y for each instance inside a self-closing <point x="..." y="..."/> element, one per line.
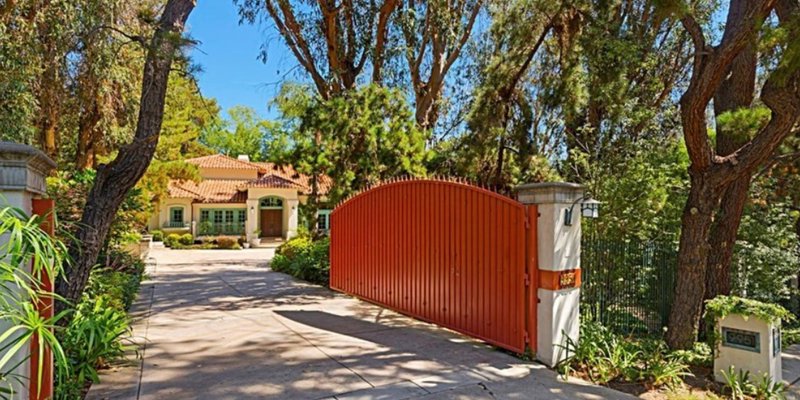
<point x="271" y="202"/>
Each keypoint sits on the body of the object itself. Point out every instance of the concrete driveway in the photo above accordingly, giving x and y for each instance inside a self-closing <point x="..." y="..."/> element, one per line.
<point x="215" y="324"/>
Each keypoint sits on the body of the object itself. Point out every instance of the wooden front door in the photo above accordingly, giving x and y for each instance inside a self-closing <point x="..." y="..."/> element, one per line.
<point x="271" y="223"/>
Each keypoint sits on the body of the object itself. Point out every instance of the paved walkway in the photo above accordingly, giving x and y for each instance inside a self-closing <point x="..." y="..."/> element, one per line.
<point x="216" y="324"/>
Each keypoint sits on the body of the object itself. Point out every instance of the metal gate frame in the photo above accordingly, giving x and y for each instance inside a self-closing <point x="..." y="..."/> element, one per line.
<point x="428" y="282"/>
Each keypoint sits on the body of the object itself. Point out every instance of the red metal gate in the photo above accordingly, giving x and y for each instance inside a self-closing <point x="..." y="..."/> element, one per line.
<point x="441" y="251"/>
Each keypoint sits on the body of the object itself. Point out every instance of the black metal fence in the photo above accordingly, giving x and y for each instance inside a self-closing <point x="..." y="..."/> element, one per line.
<point x="628" y="285"/>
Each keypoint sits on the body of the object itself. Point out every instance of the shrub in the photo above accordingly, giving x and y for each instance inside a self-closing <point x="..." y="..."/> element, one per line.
<point x="157" y="235"/>
<point x="186" y="239"/>
<point x="120" y="288"/>
<point x="227" y="243"/>
<point x="96" y="335"/>
<point x="603" y="356"/>
<point x="172" y="240"/>
<point x="93" y="338"/>
<point x="305" y="259"/>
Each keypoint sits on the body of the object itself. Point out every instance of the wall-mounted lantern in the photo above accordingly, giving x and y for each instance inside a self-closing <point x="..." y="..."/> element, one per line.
<point x="590" y="208"/>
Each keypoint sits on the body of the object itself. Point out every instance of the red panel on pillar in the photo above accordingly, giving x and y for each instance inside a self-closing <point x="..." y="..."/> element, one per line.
<point x="46" y="209"/>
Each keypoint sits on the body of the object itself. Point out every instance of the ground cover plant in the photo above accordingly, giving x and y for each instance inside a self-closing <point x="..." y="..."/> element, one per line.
<point x="648" y="368"/>
<point x="98" y="331"/>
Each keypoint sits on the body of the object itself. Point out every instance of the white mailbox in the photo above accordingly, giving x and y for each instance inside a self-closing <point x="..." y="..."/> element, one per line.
<point x="749" y="344"/>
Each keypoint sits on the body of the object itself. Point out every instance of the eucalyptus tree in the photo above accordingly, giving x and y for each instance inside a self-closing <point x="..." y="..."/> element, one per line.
<point x="335" y="43"/>
<point x="434" y="34"/>
<point x="712" y="173"/>
<point x="621" y="66"/>
<point x="342" y="44"/>
<point x="108" y="58"/>
<point x="114" y="180"/>
<point x="35" y="38"/>
<point x="72" y="70"/>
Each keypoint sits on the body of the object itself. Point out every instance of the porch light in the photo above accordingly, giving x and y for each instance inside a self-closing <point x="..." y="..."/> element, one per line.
<point x="590" y="208"/>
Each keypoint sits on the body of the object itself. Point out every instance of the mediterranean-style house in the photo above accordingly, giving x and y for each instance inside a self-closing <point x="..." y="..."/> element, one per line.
<point x="238" y="197"/>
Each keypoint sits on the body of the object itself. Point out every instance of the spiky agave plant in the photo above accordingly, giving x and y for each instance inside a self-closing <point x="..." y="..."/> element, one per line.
<point x="23" y="243"/>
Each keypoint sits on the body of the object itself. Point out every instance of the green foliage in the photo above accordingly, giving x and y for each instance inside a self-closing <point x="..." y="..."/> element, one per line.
<point x="603" y="356"/>
<point x="186" y="239"/>
<point x="643" y="191"/>
<point x="304" y="258"/>
<point x="187" y="117"/>
<point x="25" y="243"/>
<point x="172" y="240"/>
<point x="93" y="338"/>
<point x="70" y="190"/>
<point x="97" y="334"/>
<point x="722" y="306"/>
<point x="244" y="134"/>
<point x="157" y="235"/>
<point x="699" y="355"/>
<point x="743" y="124"/>
<point x="737" y="383"/>
<point x="790" y="336"/>
<point x="366" y="136"/>
<point x="766" y="253"/>
<point x="740" y="387"/>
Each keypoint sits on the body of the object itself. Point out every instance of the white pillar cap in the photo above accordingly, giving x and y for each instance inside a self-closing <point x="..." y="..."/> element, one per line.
<point x="549" y="192"/>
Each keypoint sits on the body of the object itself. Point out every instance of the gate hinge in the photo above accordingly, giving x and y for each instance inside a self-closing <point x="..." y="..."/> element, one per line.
<point x="527" y="221"/>
<point x="527" y="337"/>
<point x="527" y="279"/>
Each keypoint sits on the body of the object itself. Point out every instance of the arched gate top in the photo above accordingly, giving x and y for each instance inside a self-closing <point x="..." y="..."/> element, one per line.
<point x="446" y="182"/>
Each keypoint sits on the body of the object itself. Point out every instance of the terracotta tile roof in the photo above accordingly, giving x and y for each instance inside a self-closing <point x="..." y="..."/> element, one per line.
<point x="210" y="190"/>
<point x="272" y="181"/>
<point x="287" y="172"/>
<point x="271" y="175"/>
<point x="176" y="189"/>
<point x="223" y="161"/>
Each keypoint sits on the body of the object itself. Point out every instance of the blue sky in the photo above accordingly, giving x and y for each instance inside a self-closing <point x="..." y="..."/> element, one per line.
<point x="228" y="54"/>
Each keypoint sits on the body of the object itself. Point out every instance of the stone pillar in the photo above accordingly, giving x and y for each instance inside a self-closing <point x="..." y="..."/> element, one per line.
<point x="23" y="170"/>
<point x="293" y="208"/>
<point x="559" y="254"/>
<point x="748" y="343"/>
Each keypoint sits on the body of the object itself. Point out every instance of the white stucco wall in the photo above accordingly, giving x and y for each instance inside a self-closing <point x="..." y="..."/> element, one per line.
<point x="757" y="363"/>
<point x="162" y="216"/>
<point x="21" y="200"/>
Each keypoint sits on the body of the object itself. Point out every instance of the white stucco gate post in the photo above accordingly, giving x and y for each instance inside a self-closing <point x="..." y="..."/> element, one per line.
<point x="558" y="246"/>
<point x="23" y="170"/>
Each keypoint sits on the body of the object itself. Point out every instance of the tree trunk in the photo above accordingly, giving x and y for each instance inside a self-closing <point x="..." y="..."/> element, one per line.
<point x="313" y="203"/>
<point x="723" y="237"/>
<point x="87" y="127"/>
<point x="690" y="283"/>
<point x="113" y="181"/>
<point x="736" y="92"/>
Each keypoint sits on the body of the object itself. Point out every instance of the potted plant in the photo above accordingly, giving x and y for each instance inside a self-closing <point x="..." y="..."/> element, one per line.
<point x="256" y="240"/>
<point x="243" y="241"/>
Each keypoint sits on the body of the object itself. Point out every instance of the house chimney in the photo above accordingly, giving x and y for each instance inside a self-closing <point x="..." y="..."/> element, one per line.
<point x="244" y="157"/>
